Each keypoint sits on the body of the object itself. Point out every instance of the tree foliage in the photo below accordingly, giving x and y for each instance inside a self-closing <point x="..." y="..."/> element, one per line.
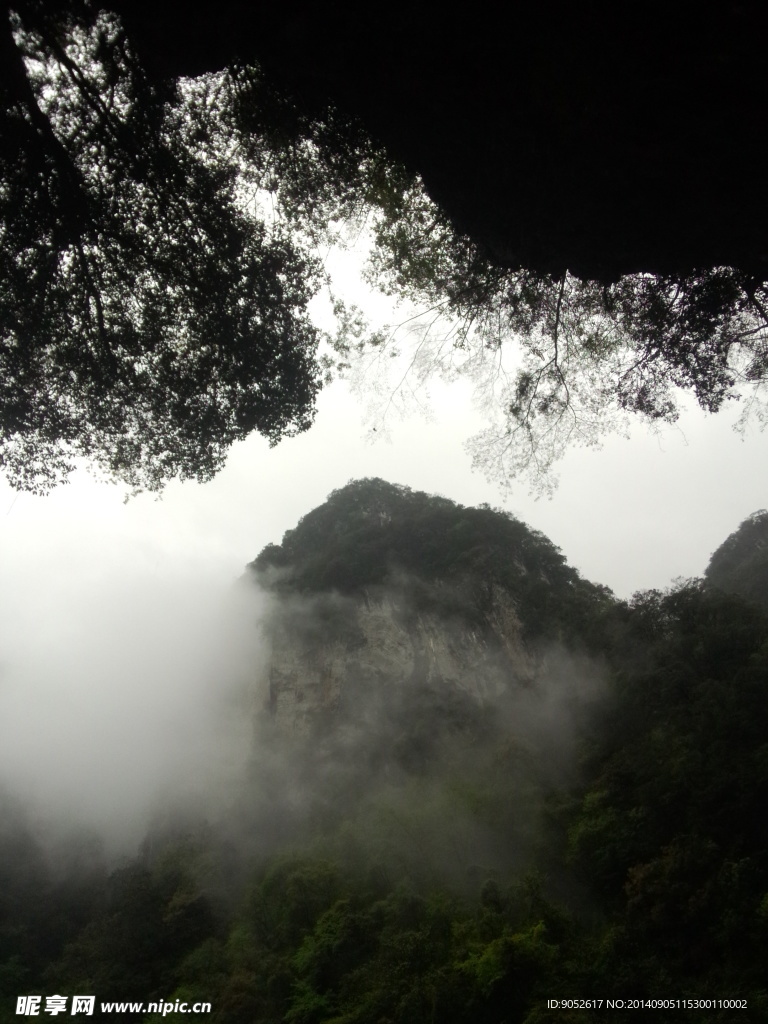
<point x="373" y="533"/>
<point x="158" y="263"/>
<point x="666" y="832"/>
<point x="557" y="361"/>
<point x="146" y="320"/>
<point x="740" y="564"/>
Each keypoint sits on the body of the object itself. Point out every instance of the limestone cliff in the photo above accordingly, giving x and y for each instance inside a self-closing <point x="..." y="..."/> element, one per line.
<point x="378" y="641"/>
<point x="383" y="595"/>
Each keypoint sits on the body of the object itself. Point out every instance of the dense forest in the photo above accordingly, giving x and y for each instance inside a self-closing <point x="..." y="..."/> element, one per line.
<point x="474" y="882"/>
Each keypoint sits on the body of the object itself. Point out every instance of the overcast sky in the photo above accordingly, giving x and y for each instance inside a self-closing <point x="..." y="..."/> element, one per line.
<point x="633" y="515"/>
<point x="116" y="617"/>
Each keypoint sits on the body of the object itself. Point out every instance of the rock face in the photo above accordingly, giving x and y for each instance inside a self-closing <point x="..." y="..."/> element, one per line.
<point x="586" y="137"/>
<point x="328" y="653"/>
<point x="407" y="604"/>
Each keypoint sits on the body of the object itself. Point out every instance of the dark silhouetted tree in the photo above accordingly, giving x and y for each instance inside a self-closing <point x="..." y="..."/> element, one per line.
<point x="146" y="321"/>
<point x="152" y="312"/>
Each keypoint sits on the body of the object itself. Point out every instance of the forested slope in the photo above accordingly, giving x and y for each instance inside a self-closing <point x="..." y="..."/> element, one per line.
<point x="740" y="564"/>
<point x="474" y="883"/>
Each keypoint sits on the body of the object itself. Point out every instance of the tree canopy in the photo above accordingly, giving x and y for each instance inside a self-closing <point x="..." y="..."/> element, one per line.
<point x="740" y="564"/>
<point x="154" y="308"/>
<point x="146" y="320"/>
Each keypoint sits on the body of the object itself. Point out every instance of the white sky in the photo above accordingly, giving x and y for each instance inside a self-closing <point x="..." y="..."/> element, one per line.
<point x="633" y="515"/>
<point x="111" y="613"/>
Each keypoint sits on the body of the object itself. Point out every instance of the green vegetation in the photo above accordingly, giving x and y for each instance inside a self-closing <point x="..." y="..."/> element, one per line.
<point x="469" y="883"/>
<point x="372" y="533"/>
<point x="740" y="564"/>
<point x="146" y="322"/>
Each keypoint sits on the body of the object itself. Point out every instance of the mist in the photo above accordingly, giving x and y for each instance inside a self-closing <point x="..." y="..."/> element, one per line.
<point x="442" y="781"/>
<point x="135" y="688"/>
<point x="127" y="694"/>
<point x="273" y="766"/>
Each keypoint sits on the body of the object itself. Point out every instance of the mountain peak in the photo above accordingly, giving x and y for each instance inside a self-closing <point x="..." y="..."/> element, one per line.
<point x="372" y="532"/>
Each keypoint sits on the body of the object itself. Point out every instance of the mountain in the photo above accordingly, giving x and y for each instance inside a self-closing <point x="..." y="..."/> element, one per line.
<point x="425" y="662"/>
<point x="740" y="564"/>
<point x="464" y="710"/>
<point x="383" y="591"/>
<point x="479" y="784"/>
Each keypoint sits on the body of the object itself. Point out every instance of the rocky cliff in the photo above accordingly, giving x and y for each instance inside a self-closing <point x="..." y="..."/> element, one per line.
<point x="327" y="653"/>
<point x="384" y="598"/>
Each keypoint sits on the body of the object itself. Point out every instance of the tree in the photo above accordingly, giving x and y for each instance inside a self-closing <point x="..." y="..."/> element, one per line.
<point x="152" y="312"/>
<point x="740" y="564"/>
<point x="146" y="320"/>
<point x="556" y="360"/>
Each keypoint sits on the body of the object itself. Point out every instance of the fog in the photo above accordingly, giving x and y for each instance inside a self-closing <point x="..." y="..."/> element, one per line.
<point x="134" y="692"/>
<point x="442" y="780"/>
<point x="124" y="694"/>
